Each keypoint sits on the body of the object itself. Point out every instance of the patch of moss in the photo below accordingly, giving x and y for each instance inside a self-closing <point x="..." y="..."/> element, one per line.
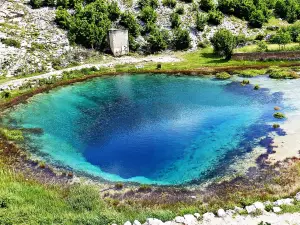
<point x="276" y="125"/>
<point x="256" y="87"/>
<point x="250" y="73"/>
<point x="279" y="115"/>
<point x="282" y="74"/>
<point x="12" y="135"/>
<point x="223" y="76"/>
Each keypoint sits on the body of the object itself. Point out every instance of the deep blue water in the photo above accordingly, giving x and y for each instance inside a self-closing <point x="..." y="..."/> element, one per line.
<point x="148" y="129"/>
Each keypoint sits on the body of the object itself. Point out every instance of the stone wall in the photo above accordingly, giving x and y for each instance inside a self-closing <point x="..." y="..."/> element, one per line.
<point x="263" y="56"/>
<point x="118" y="41"/>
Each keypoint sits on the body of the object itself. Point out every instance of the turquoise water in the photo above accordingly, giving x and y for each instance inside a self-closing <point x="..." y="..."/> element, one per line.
<point x="147" y="129"/>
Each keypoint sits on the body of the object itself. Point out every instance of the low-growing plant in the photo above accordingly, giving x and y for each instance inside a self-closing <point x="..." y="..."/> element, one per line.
<point x="201" y="21"/>
<point x="250" y="73"/>
<point x="169" y="3"/>
<point x="175" y="20"/>
<point x="180" y="10"/>
<point x="215" y="17"/>
<point x="145" y="188"/>
<point x="42" y="165"/>
<point x="256" y="87"/>
<point x="119" y="186"/>
<point x="279" y="115"/>
<point x="11" y="42"/>
<point x="12" y="135"/>
<point x="223" y="76"/>
<point x="277" y="73"/>
<point x="276" y="125"/>
<point x="245" y="82"/>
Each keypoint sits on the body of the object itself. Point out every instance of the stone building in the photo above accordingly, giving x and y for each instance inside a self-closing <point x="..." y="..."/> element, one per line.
<point x="118" y="41"/>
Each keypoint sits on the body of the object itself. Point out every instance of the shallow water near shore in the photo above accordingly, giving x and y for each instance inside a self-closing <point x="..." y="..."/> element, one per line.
<point x="154" y="129"/>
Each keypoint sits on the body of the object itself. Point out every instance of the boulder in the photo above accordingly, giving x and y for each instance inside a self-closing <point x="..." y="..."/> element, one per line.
<point x="259" y="205"/>
<point x="238" y="209"/>
<point x="208" y="216"/>
<point x="276" y="209"/>
<point x="190" y="220"/>
<point x="285" y="201"/>
<point x="127" y="223"/>
<point x="250" y="209"/>
<point x="153" y="221"/>
<point x="179" y="219"/>
<point x="221" y="213"/>
<point x="298" y="196"/>
<point x="230" y="212"/>
<point x="136" y="222"/>
<point x="197" y="215"/>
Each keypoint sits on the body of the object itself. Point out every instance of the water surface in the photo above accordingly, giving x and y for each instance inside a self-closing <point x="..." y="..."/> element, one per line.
<point x="147" y="129"/>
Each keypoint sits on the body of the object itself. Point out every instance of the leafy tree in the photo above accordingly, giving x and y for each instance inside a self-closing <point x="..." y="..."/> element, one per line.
<point x="207" y="5"/>
<point x="63" y="3"/>
<point x="182" y="39"/>
<point x="262" y="46"/>
<point x="281" y="8"/>
<point x="63" y="18"/>
<point x="149" y="27"/>
<point x="145" y="3"/>
<point x="175" y="20"/>
<point x="282" y="37"/>
<point x="294" y="30"/>
<point x="227" y="6"/>
<point x="201" y="21"/>
<point x="158" y="40"/>
<point x="148" y="15"/>
<point x="215" y="17"/>
<point x="36" y="3"/>
<point x="223" y="43"/>
<point x="257" y="19"/>
<point x="114" y="11"/>
<point x="51" y="3"/>
<point x="129" y="21"/>
<point x="244" y="8"/>
<point x="169" y="3"/>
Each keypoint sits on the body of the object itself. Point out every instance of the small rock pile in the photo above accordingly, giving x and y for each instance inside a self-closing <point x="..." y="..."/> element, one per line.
<point x="248" y="215"/>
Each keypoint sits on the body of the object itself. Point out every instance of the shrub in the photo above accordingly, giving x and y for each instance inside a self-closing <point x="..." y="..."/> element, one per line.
<point x="223" y="43"/>
<point x="282" y="74"/>
<point x="63" y="18"/>
<point x="241" y="40"/>
<point x="114" y="11"/>
<point x="145" y="188"/>
<point x="169" y="3"/>
<point x="282" y="37"/>
<point x="144" y="3"/>
<point x="11" y="42"/>
<point x="119" y="186"/>
<point x="148" y="15"/>
<point x="175" y="20"/>
<point x="279" y="115"/>
<point x="133" y="44"/>
<point x="180" y="10"/>
<point x="201" y="21"/>
<point x="182" y="39"/>
<point x="276" y="125"/>
<point x="223" y="76"/>
<point x="158" y="40"/>
<point x="42" y="165"/>
<point x="129" y="21"/>
<point x="227" y="6"/>
<point x="257" y="19"/>
<point x="36" y="3"/>
<point x="207" y="5"/>
<point x="262" y="46"/>
<point x="215" y="17"/>
<point x="158" y="66"/>
<point x="5" y="94"/>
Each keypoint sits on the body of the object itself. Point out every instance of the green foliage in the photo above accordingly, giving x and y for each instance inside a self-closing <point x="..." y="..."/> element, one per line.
<point x="12" y="135"/>
<point x="148" y="15"/>
<point x="282" y="37"/>
<point x="175" y="20"/>
<point x="129" y="21"/>
<point x="63" y="18"/>
<point x="5" y="94"/>
<point x="223" y="43"/>
<point x="287" y="9"/>
<point x="158" y="40"/>
<point x="215" y="17"/>
<point x="276" y="125"/>
<point x="114" y="11"/>
<point x="245" y="82"/>
<point x="227" y="6"/>
<point x="207" y="5"/>
<point x="144" y="3"/>
<point x="133" y="44"/>
<point x="11" y="42"/>
<point x="36" y="3"/>
<point x="169" y="3"/>
<point x="256" y="87"/>
<point x="182" y="39"/>
<point x="277" y="73"/>
<point x="257" y="19"/>
<point x="250" y="73"/>
<point x="201" y="21"/>
<point x="223" y="76"/>
<point x="180" y="10"/>
<point x="262" y="46"/>
<point x="279" y="115"/>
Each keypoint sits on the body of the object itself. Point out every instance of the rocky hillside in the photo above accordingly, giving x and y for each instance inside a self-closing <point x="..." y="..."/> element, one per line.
<point x="31" y="41"/>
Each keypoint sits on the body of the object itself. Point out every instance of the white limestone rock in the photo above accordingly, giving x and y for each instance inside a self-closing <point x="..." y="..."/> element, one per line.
<point x="190" y="219"/>
<point x="276" y="209"/>
<point x="179" y="219"/>
<point x="297" y="197"/>
<point x="259" y="206"/>
<point x="197" y="215"/>
<point x="238" y="209"/>
<point x="250" y="209"/>
<point x="153" y="221"/>
<point x="285" y="201"/>
<point x="136" y="222"/>
<point x="221" y="213"/>
<point x="208" y="216"/>
<point x="127" y="223"/>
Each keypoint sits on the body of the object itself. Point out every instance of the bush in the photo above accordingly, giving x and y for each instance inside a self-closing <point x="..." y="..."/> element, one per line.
<point x="201" y="21"/>
<point x="148" y="15"/>
<point x="279" y="115"/>
<point x="227" y="6"/>
<point x="282" y="37"/>
<point x="282" y="74"/>
<point x="63" y="18"/>
<point x="133" y="44"/>
<point x="182" y="39"/>
<point x="257" y="19"/>
<point x="180" y="10"/>
<point x="114" y="11"/>
<point x="223" y="43"/>
<point x="169" y="3"/>
<point x="262" y="46"/>
<point x="223" y="76"/>
<point x="158" y="40"/>
<point x="175" y="20"/>
<point x="215" y="17"/>
<point x="144" y="3"/>
<point x="36" y="3"/>
<point x="241" y="40"/>
<point x="129" y="21"/>
<point x="207" y="5"/>
<point x="11" y="42"/>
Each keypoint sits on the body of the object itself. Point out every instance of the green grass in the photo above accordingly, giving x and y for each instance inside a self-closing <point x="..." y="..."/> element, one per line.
<point x="271" y="47"/>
